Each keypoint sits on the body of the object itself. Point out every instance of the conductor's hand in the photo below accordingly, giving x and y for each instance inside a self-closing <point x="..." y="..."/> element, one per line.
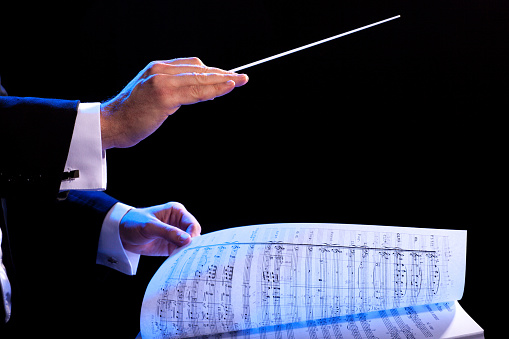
<point x="157" y="92"/>
<point x="158" y="230"/>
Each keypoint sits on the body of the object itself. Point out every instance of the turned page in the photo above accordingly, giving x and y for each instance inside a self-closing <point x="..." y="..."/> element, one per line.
<point x="269" y="275"/>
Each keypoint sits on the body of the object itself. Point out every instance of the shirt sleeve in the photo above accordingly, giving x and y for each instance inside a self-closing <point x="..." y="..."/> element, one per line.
<point x="110" y="252"/>
<point x="85" y="152"/>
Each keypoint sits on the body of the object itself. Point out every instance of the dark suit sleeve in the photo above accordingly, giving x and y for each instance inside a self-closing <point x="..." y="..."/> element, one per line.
<point x="35" y="135"/>
<point x="82" y="214"/>
<point x="53" y="244"/>
<point x="117" y="296"/>
<point x="54" y="249"/>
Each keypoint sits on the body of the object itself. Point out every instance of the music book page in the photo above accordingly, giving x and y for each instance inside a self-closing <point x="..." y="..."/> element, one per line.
<point x="309" y="280"/>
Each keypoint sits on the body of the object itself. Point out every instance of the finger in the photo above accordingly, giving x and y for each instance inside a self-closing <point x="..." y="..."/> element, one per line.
<point x="169" y="233"/>
<point x="185" y="61"/>
<point x="169" y="66"/>
<point x="174" y="69"/>
<point x="194" y="228"/>
<point x="184" y="68"/>
<point x="180" y="217"/>
<point x="166" y="68"/>
<point x="192" y="79"/>
<point x="192" y="94"/>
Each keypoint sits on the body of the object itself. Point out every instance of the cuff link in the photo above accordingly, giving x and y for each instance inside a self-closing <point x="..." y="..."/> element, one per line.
<point x="71" y="175"/>
<point x="112" y="260"/>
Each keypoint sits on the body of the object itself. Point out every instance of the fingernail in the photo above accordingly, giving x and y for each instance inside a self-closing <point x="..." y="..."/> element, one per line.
<point x="246" y="78"/>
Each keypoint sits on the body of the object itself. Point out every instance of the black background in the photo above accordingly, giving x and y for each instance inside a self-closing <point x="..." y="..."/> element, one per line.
<point x="388" y="126"/>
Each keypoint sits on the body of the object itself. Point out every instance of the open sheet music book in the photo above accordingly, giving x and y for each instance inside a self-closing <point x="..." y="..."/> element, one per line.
<point x="312" y="281"/>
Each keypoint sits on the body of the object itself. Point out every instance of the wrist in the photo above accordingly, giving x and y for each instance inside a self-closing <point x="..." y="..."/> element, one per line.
<point x="108" y="130"/>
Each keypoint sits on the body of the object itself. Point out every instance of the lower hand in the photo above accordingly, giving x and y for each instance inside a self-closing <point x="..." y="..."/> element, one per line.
<point x="158" y="230"/>
<point x="156" y="93"/>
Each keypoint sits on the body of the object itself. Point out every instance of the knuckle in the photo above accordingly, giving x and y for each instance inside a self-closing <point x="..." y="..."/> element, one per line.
<point x="200" y="78"/>
<point x="176" y="205"/>
<point x="154" y="67"/>
<point x="206" y="69"/>
<point x="153" y="80"/>
<point x="157" y="87"/>
<point x="196" y="60"/>
<point x="198" y="93"/>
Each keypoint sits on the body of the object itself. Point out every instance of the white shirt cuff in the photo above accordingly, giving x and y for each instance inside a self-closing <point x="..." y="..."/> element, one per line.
<point x="85" y="152"/>
<point x="110" y="252"/>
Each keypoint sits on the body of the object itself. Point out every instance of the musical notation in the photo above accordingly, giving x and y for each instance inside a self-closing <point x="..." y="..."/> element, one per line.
<point x="277" y="276"/>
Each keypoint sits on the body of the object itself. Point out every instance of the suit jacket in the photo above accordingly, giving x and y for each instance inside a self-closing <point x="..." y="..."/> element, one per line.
<point x="35" y="135"/>
<point x="53" y="245"/>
